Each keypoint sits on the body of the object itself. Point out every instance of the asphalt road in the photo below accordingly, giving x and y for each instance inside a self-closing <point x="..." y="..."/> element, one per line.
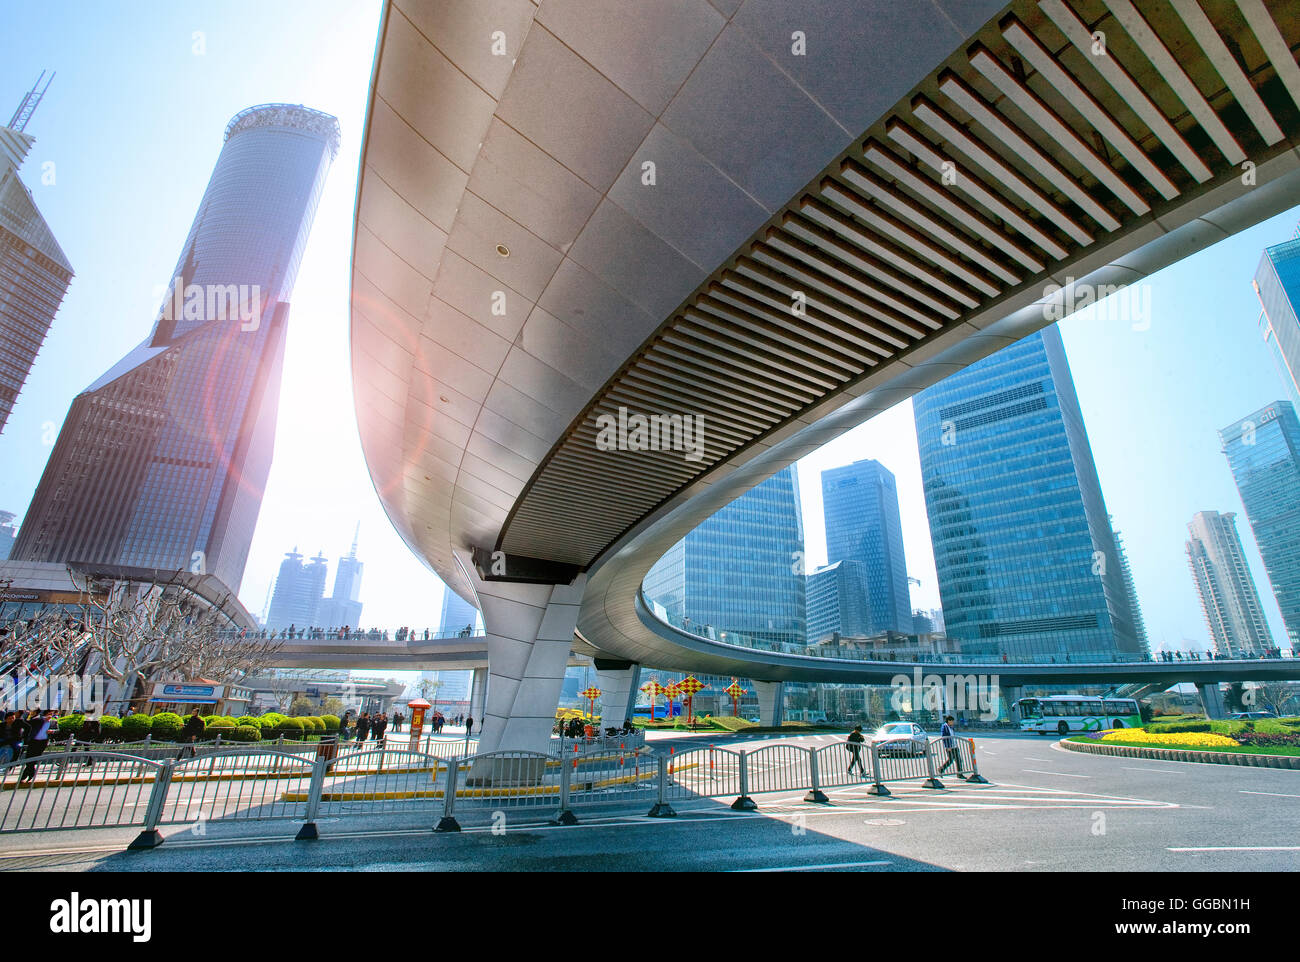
<point x="1046" y="810"/>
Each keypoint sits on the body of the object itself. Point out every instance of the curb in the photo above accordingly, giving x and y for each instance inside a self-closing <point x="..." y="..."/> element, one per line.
<point x="1285" y="762"/>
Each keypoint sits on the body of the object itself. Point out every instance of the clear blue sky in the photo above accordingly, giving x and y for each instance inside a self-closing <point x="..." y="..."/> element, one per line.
<point x="133" y="125"/>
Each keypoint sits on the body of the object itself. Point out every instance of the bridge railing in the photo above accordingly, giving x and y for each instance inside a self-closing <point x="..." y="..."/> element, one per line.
<point x="102" y="789"/>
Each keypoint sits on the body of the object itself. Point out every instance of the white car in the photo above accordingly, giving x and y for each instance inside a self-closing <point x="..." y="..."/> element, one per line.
<point x="900" y="738"/>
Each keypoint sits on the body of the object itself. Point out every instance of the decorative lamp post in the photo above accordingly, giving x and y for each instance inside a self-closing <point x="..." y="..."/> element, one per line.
<point x="735" y="691"/>
<point x="653" y="689"/>
<point x="688" y="686"/>
<point x="591" y="694"/>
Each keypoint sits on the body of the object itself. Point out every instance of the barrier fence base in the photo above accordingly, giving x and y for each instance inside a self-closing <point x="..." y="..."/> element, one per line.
<point x="307" y="833"/>
<point x="932" y="783"/>
<point x="148" y="839"/>
<point x="744" y="804"/>
<point x="880" y="790"/>
<point x="566" y="817"/>
<point x="447" y="824"/>
<point x="817" y="795"/>
<point x="661" y="810"/>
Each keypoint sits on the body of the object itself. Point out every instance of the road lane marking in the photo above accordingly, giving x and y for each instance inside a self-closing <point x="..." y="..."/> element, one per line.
<point x="1239" y="848"/>
<point x="814" y="868"/>
<point x="1165" y="771"/>
<point x="1061" y="774"/>
<point x="1274" y="794"/>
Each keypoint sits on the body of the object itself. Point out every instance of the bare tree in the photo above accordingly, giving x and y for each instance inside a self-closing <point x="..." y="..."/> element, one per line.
<point x="164" y="629"/>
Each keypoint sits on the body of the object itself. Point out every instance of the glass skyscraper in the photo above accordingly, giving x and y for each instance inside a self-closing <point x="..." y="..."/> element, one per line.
<point x="161" y="463"/>
<point x="456" y="613"/>
<point x="860" y="504"/>
<point x="1277" y="282"/>
<point x="34" y="271"/>
<point x="837" y="602"/>
<point x="1225" y="587"/>
<point x="742" y="569"/>
<point x="1263" y="451"/>
<point x="343" y="608"/>
<point x="298" y="590"/>
<point x="1027" y="562"/>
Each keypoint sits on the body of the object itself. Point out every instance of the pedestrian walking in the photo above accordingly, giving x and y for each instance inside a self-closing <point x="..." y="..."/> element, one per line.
<point x="10" y="738"/>
<point x="363" y="729"/>
<point x="378" y="727"/>
<point x="189" y="735"/>
<point x="949" y="734"/>
<point x="39" y="726"/>
<point x="855" y="742"/>
<point x="469" y="726"/>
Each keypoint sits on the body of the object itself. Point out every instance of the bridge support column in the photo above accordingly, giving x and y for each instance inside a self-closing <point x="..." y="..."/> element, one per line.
<point x="1212" y="700"/>
<point x="529" y="636"/>
<point x="771" y="702"/>
<point x="478" y="694"/>
<point x="618" y="687"/>
<point x="1012" y="694"/>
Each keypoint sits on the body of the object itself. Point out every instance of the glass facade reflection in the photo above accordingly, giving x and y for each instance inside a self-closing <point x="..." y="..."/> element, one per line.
<point x="1263" y="450"/>
<point x="860" y="502"/>
<point x="1027" y="562"/>
<point x="1225" y="587"/>
<point x="1277" y="282"/>
<point x="837" y="602"/>
<point x="161" y="463"/>
<point x="741" y="570"/>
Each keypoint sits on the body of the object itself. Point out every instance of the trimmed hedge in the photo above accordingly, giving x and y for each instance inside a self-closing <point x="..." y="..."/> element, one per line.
<point x="217" y="721"/>
<point x="136" y="727"/>
<point x="316" y="722"/>
<point x="290" y="727"/>
<point x="242" y="733"/>
<point x="166" y="725"/>
<point x="249" y="720"/>
<point x="71" y="725"/>
<point x="110" y="726"/>
<point x="1175" y="728"/>
<point x="331" y="722"/>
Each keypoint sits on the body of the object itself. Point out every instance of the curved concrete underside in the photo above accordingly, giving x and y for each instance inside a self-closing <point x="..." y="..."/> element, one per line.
<point x="923" y="175"/>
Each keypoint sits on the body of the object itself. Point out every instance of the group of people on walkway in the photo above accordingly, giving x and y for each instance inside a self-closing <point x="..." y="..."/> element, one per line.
<point x="948" y="733"/>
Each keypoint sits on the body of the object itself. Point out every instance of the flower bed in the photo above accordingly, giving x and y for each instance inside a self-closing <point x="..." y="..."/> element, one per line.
<point x="1136" y="736"/>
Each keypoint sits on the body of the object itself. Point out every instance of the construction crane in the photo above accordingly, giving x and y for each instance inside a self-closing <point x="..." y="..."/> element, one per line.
<point x="30" y="102"/>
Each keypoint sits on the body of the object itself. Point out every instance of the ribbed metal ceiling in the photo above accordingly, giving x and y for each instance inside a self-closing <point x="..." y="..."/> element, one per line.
<point x="1004" y="167"/>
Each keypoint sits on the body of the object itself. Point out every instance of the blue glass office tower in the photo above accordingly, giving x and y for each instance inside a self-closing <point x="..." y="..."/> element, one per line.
<point x="1277" y="282"/>
<point x="860" y="503"/>
<point x="456" y="613"/>
<point x="1263" y="452"/>
<point x="837" y="602"/>
<point x="161" y="463"/>
<point x="1026" y="558"/>
<point x="742" y="569"/>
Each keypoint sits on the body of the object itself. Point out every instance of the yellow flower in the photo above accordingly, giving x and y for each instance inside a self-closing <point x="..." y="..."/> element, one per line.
<point x="1173" y="740"/>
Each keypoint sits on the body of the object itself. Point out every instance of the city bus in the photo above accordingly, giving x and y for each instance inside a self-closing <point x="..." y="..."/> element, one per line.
<point x="1077" y="713"/>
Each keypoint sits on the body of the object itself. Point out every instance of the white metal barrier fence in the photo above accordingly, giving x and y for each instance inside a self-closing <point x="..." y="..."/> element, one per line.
<point x="99" y="789"/>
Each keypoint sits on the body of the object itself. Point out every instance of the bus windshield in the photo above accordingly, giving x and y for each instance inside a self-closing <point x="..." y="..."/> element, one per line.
<point x="1029" y="708"/>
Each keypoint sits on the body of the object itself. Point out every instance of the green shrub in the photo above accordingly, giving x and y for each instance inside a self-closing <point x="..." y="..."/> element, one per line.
<point x="135" y="727"/>
<point x="70" y="725"/>
<point x="290" y="727"/>
<point x="730" y="723"/>
<point x="316" y="723"/>
<point x="331" y="722"/>
<point x="249" y="720"/>
<point x="218" y="721"/>
<point x="166" y="725"/>
<point x="1173" y="728"/>
<point x="110" y="728"/>
<point x="243" y="733"/>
